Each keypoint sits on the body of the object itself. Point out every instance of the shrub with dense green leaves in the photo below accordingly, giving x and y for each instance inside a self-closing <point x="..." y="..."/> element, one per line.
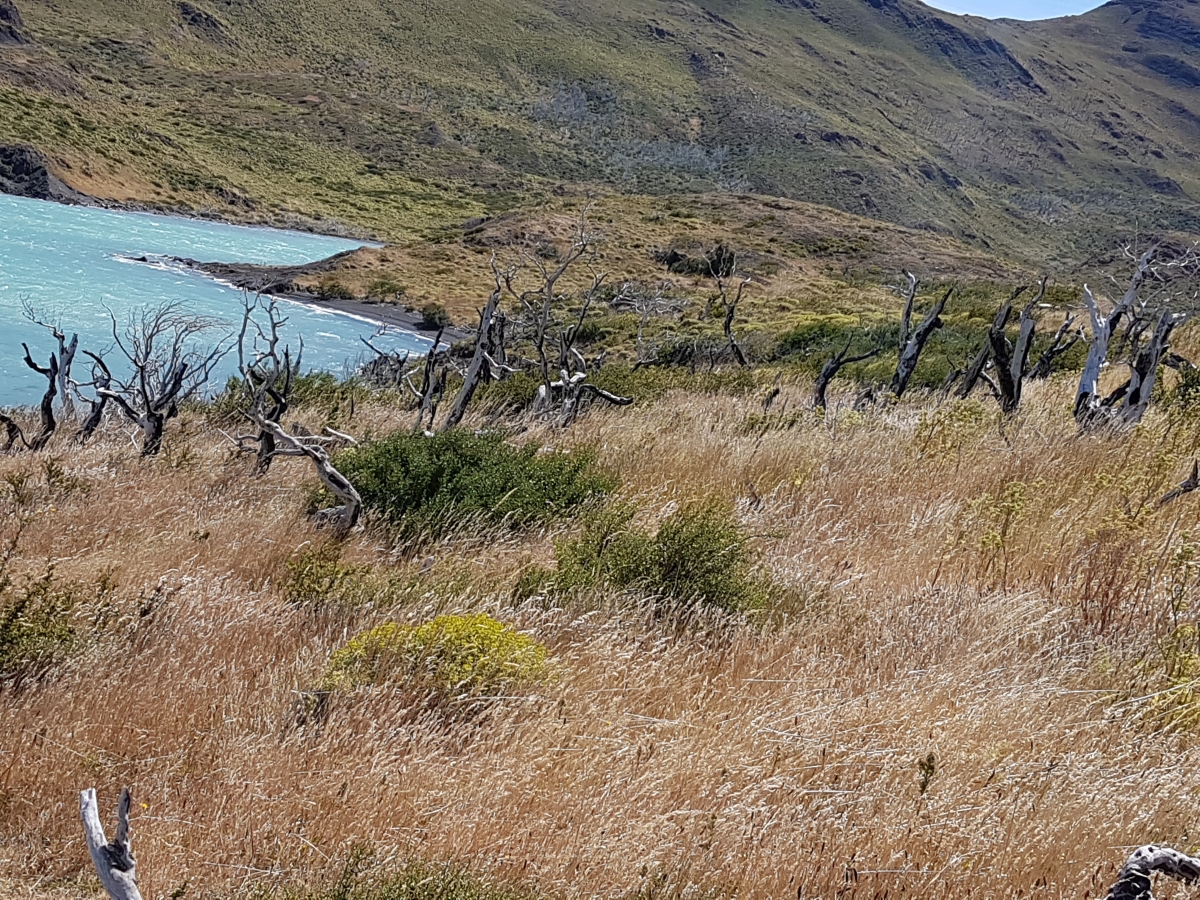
<point x="429" y="484"/>
<point x="452" y="655"/>
<point x="700" y="554"/>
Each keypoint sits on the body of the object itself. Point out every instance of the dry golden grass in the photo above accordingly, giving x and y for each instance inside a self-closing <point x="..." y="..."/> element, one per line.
<point x="948" y="704"/>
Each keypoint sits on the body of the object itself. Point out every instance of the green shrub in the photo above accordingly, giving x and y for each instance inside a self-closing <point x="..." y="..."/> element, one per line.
<point x="318" y="577"/>
<point x="433" y="316"/>
<point x="45" y="620"/>
<point x="331" y="288"/>
<point x="385" y="288"/>
<point x="700" y="554"/>
<point x="363" y="878"/>
<point x="609" y="550"/>
<point x="451" y="655"/>
<point x="1187" y="389"/>
<point x="431" y="484"/>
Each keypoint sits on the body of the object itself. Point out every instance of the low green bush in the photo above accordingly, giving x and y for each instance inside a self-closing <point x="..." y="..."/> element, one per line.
<point x="699" y="555"/>
<point x="44" y="620"/>
<point x="365" y="878"/>
<point x="451" y="656"/>
<point x="318" y="578"/>
<point x="430" y="484"/>
<point x="434" y="315"/>
<point x="330" y="288"/>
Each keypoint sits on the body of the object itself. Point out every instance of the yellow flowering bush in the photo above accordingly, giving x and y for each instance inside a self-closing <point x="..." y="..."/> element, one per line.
<point x="452" y="655"/>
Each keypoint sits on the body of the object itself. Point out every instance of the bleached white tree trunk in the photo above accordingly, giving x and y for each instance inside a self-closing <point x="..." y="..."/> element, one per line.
<point x="113" y="859"/>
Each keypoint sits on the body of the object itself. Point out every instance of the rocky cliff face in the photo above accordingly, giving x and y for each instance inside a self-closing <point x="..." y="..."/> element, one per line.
<point x="12" y="29"/>
<point x="23" y="173"/>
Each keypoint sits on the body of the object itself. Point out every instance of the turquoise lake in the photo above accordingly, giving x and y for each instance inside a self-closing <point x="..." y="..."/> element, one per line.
<point x="73" y="264"/>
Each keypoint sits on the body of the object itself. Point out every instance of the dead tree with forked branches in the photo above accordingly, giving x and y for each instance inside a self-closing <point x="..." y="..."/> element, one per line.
<point x="343" y="517"/>
<point x="646" y="304"/>
<point x="730" y="308"/>
<point x="1064" y="339"/>
<point x="167" y="366"/>
<point x="489" y="343"/>
<point x="101" y="381"/>
<point x="268" y="374"/>
<point x="833" y="366"/>
<point x="13" y="431"/>
<point x="114" y="862"/>
<point x="65" y="356"/>
<point x="913" y="340"/>
<point x="543" y="320"/>
<point x="539" y="303"/>
<point x="1159" y="297"/>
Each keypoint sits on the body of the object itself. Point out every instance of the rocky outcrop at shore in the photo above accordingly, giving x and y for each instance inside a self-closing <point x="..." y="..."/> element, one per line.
<point x="267" y="279"/>
<point x="24" y="173"/>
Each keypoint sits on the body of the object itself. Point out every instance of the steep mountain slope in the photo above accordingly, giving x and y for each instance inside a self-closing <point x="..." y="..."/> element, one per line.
<point x="1030" y="138"/>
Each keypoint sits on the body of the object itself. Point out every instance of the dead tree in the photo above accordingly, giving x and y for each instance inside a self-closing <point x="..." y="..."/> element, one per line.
<point x="912" y="341"/>
<point x="975" y="371"/>
<point x="268" y="374"/>
<point x="482" y="360"/>
<point x="65" y="357"/>
<point x="1135" y="394"/>
<point x="1064" y="339"/>
<point x="1088" y="402"/>
<point x="647" y="305"/>
<point x="113" y="859"/>
<point x="167" y="368"/>
<point x="1133" y="882"/>
<point x="1011" y="363"/>
<point x="13" y="431"/>
<point x="1145" y="341"/>
<point x="385" y="369"/>
<point x="833" y="366"/>
<point x="730" y="308"/>
<point x="572" y="385"/>
<point x="433" y="386"/>
<point x="538" y="303"/>
<point x="342" y="517"/>
<point x="101" y="382"/>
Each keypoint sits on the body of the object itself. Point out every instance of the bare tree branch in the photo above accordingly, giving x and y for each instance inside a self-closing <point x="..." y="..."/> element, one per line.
<point x="113" y="859"/>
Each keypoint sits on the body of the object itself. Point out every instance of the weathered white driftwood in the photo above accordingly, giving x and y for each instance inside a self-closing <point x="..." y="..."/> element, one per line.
<point x="113" y="859"/>
<point x="1133" y="883"/>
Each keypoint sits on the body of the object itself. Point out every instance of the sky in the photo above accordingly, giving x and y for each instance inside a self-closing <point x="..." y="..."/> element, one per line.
<point x="1015" y="9"/>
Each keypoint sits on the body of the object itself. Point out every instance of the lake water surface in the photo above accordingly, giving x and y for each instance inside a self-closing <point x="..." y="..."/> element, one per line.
<point x="73" y="263"/>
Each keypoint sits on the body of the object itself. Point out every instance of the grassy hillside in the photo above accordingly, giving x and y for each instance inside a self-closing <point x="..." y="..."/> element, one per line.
<point x="1032" y="139"/>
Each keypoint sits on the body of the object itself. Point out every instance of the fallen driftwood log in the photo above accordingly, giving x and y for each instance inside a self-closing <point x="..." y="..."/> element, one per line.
<point x="113" y="859"/>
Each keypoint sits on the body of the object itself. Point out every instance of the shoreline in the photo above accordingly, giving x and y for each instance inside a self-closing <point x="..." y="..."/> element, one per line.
<point x="25" y="172"/>
<point x="381" y="313"/>
<point x="279" y="281"/>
